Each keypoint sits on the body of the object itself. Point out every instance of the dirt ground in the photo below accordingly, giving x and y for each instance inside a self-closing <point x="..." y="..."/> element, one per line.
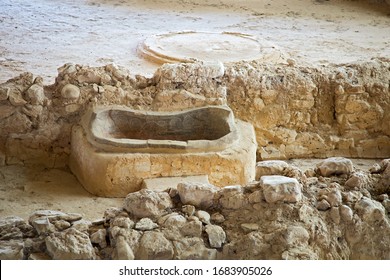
<point x="40" y="36"/>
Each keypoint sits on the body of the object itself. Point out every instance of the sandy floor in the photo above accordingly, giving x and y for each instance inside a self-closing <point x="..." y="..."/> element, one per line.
<point x="40" y="36"/>
<point x="26" y="189"/>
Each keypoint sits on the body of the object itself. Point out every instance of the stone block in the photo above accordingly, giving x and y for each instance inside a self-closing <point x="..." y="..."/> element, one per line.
<point x="335" y="166"/>
<point x="281" y="189"/>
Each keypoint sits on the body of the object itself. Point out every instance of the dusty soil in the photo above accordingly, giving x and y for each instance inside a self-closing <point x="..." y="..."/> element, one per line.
<point x="42" y="35"/>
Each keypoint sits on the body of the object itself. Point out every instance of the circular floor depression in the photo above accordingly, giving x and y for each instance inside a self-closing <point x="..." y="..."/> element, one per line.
<point x="193" y="46"/>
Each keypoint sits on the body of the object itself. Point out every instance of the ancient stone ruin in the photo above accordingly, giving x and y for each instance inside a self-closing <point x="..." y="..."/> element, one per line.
<point x="232" y="130"/>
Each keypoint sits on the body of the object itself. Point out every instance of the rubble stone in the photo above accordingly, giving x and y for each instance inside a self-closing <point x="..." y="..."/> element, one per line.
<point x="154" y="246"/>
<point x="216" y="235"/>
<point x="280" y="188"/>
<point x="270" y="167"/>
<point x="70" y="91"/>
<point x="70" y="244"/>
<point x="147" y="204"/>
<point x="198" y="195"/>
<point x="335" y="166"/>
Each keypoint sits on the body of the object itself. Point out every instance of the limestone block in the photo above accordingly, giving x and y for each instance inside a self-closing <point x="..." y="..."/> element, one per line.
<point x="131" y="236"/>
<point x="357" y="180"/>
<point x="36" y="95"/>
<point x="346" y="213"/>
<point x="123" y="222"/>
<point x="192" y="229"/>
<point x="217" y="218"/>
<point x="9" y="228"/>
<point x="331" y="195"/>
<point x="82" y="225"/>
<point x="154" y="246"/>
<point x="196" y="194"/>
<point x="280" y="188"/>
<point x="232" y="197"/>
<point x="43" y="226"/>
<point x="145" y="224"/>
<point x="70" y="244"/>
<point x="323" y="205"/>
<point x="11" y="250"/>
<point x="203" y="216"/>
<point x="335" y="166"/>
<point x="70" y="91"/>
<point x="216" y="235"/>
<point x="123" y="250"/>
<point x="270" y="167"/>
<point x="146" y="203"/>
<point x="370" y="210"/>
<point x="99" y="237"/>
<point x="112" y="212"/>
<point x="193" y="249"/>
<point x="172" y="220"/>
<point x="296" y="236"/>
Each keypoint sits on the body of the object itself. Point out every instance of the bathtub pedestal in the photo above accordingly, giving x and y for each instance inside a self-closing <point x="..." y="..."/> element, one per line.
<point x="118" y="172"/>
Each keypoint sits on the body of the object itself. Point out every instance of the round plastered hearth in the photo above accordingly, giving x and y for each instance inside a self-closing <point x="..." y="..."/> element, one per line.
<point x="193" y="46"/>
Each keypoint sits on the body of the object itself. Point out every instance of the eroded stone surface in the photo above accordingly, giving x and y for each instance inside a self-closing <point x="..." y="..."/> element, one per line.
<point x="335" y="166"/>
<point x="146" y="203"/>
<point x="70" y="244"/>
<point x="280" y="188"/>
<point x="198" y="195"/>
<point x="270" y="167"/>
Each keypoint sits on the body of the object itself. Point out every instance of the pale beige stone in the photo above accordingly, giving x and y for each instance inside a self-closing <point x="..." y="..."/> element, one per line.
<point x="154" y="246"/>
<point x="270" y="167"/>
<point x="216" y="235"/>
<point x="281" y="189"/>
<point x="70" y="244"/>
<point x="197" y="194"/>
<point x="335" y="166"/>
<point x="36" y="94"/>
<point x="146" y="203"/>
<point x="228" y="159"/>
<point x="70" y="91"/>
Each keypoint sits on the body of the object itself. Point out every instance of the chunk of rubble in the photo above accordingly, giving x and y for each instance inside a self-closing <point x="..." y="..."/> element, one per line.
<point x="70" y="244"/>
<point x="11" y="250"/>
<point x="216" y="235"/>
<point x="154" y="246"/>
<point x="270" y="167"/>
<point x="197" y="194"/>
<point x="335" y="166"/>
<point x="280" y="188"/>
<point x="147" y="204"/>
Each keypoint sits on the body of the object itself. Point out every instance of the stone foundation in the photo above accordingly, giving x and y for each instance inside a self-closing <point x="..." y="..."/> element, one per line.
<point x="297" y="112"/>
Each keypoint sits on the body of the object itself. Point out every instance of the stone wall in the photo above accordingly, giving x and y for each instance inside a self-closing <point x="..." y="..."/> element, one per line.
<point x="333" y="211"/>
<point x="337" y="110"/>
